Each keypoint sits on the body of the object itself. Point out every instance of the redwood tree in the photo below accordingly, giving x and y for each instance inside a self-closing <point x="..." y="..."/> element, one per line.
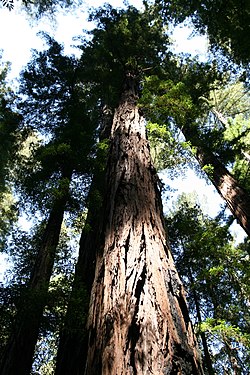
<point x="236" y="196"/>
<point x="138" y="318"/>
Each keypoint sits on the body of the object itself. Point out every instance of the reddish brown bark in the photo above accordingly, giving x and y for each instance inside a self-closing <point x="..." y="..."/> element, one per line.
<point x="138" y="319"/>
<point x="18" y="356"/>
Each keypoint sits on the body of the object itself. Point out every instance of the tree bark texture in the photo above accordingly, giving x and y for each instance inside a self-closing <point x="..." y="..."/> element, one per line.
<point x="18" y="356"/>
<point x="138" y="319"/>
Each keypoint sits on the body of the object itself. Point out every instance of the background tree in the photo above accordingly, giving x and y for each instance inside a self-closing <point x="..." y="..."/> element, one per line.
<point x="65" y="153"/>
<point x="9" y="122"/>
<point x="23" y="249"/>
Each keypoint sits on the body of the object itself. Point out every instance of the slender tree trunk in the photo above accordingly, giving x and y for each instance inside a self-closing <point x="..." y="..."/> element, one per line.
<point x="208" y="362"/>
<point x="18" y="356"/>
<point x="232" y="357"/>
<point x="236" y="197"/>
<point x="138" y="319"/>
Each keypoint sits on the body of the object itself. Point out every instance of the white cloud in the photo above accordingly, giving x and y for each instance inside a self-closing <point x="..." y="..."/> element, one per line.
<point x="185" y="41"/>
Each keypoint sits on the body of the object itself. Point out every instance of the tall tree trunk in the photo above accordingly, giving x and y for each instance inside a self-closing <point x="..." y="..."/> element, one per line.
<point x="18" y="356"/>
<point x="138" y="319"/>
<point x="236" y="197"/>
<point x="73" y="342"/>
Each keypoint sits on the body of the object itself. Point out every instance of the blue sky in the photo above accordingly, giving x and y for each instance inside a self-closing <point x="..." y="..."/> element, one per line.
<point x="17" y="37"/>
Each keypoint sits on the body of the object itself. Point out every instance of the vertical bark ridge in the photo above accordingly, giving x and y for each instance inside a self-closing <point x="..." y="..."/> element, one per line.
<point x="138" y="322"/>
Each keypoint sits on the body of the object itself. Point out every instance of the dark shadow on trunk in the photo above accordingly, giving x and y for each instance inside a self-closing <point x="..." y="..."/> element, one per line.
<point x="73" y="342"/>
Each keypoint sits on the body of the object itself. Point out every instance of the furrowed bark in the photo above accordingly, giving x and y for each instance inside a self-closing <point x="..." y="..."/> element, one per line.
<point x="138" y="319"/>
<point x="18" y="355"/>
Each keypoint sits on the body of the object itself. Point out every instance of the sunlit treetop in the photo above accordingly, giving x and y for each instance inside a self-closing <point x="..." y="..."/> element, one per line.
<point x="124" y="41"/>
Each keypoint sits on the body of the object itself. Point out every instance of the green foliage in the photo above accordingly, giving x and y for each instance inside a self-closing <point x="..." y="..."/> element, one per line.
<point x="165" y="98"/>
<point x="214" y="117"/>
<point x="208" y="169"/>
<point x="174" y="103"/>
<point x="125" y="41"/>
<point x="176" y="92"/>
<point x="227" y="128"/>
<point x="227" y="120"/>
<point x="44" y="360"/>
<point x="231" y="344"/>
<point x="224" y="331"/>
<point x="22" y="250"/>
<point x="167" y="151"/>
<point x="59" y="110"/>
<point x="9" y="122"/>
<point x="102" y="148"/>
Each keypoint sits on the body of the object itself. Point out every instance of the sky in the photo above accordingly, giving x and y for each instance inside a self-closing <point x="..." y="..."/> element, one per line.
<point x="18" y="37"/>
